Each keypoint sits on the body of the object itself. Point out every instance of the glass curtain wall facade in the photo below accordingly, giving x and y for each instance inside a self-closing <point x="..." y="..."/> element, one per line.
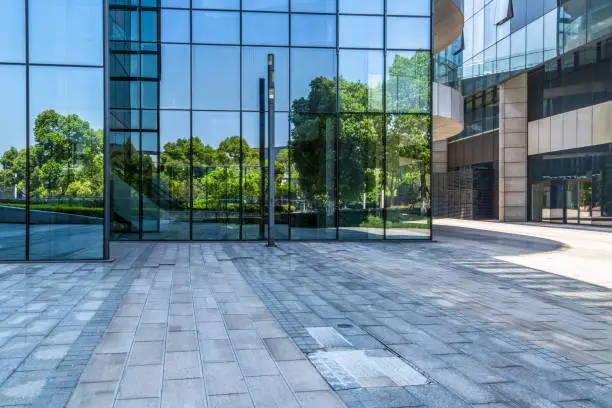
<point x="52" y="141"/>
<point x="188" y="128"/>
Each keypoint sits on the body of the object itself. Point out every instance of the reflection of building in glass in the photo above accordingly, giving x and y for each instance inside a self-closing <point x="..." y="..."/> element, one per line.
<point x="536" y="77"/>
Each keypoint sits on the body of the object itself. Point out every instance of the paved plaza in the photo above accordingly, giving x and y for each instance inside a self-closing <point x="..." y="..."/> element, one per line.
<point x="479" y="318"/>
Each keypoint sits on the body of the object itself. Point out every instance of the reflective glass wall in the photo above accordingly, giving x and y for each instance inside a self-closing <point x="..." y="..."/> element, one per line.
<point x="352" y="119"/>
<point x="52" y="140"/>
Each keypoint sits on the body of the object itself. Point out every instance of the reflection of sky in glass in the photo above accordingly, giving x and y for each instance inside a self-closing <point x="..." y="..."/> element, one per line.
<point x="362" y="6"/>
<point x="216" y="77"/>
<point x="66" y="32"/>
<point x="361" y="32"/>
<point x="214" y="127"/>
<point x="265" y="5"/>
<point x="308" y="64"/>
<point x="265" y="28"/>
<point x="313" y="30"/>
<point x="173" y="125"/>
<point x="175" y="26"/>
<point x="254" y="62"/>
<point x="175" y="81"/>
<point x="250" y="129"/>
<point x="408" y="33"/>
<point x="68" y="91"/>
<point x="314" y="6"/>
<point x="216" y="27"/>
<point x="12" y="26"/>
<point x="12" y="108"/>
<point x="365" y="67"/>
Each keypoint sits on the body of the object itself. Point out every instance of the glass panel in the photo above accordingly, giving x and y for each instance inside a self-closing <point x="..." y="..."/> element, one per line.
<point x="66" y="163"/>
<point x="362" y="6"/>
<point x="124" y="25"/>
<point x="408" y="177"/>
<point x="313" y="172"/>
<point x="13" y="163"/>
<point x="360" y="178"/>
<point x="175" y="26"/>
<point x="12" y="31"/>
<point x="408" y="33"/>
<point x="175" y="81"/>
<point x="217" y="4"/>
<point x="148" y="26"/>
<point x="255" y="176"/>
<point x="216" y="86"/>
<point x="409" y="8"/>
<point x="216" y="176"/>
<point x="518" y="42"/>
<point x="573" y="21"/>
<point x="313" y="85"/>
<point x="600" y="19"/>
<point x="572" y="202"/>
<point x="313" y="30"/>
<point x="169" y="200"/>
<point x="176" y="3"/>
<point x="361" y="32"/>
<point x="265" y="5"/>
<point x="216" y="27"/>
<point x="535" y="43"/>
<point x="479" y="32"/>
<point x="125" y="157"/>
<point x="408" y="85"/>
<point x="361" y="80"/>
<point x="585" y="208"/>
<point x="66" y="32"/>
<point x="314" y="6"/>
<point x="551" y="36"/>
<point x="540" y="201"/>
<point x="265" y="28"/>
<point x="255" y="66"/>
<point x="490" y="29"/>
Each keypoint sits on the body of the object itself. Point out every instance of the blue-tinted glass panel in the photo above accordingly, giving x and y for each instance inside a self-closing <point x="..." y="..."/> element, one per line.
<point x="216" y="77"/>
<point x="408" y="33"/>
<point x="408" y="176"/>
<point x="265" y="5"/>
<point x="175" y="81"/>
<point x="535" y="43"/>
<point x="313" y="84"/>
<point x="518" y="43"/>
<point x="175" y="26"/>
<point x="409" y="8"/>
<point x="362" y="6"/>
<point x="551" y="35"/>
<point x="66" y="32"/>
<point x="216" y="175"/>
<point x="216" y="27"/>
<point x="361" y="80"/>
<point x="217" y="4"/>
<point x="314" y="6"/>
<point x="255" y="216"/>
<point x="600" y="19"/>
<point x="13" y="162"/>
<point x="265" y="29"/>
<point x="361" y="32"/>
<point x="254" y="67"/>
<point x="360" y="176"/>
<point x="519" y="14"/>
<point x="12" y="31"/>
<point x="66" y="166"/>
<point x="408" y="83"/>
<point x="168" y="215"/>
<point x="175" y="3"/>
<point x="313" y="30"/>
<point x="149" y="21"/>
<point x="124" y="25"/>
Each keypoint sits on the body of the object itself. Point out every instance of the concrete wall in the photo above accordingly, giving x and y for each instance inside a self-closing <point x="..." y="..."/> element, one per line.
<point x="578" y="128"/>
<point x="513" y="149"/>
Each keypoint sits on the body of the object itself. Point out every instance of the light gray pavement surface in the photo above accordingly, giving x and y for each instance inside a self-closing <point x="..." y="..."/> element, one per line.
<point x="445" y="324"/>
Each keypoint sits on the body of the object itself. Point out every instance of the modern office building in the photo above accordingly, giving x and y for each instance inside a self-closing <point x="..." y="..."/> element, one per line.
<point x="537" y="143"/>
<point x="147" y="120"/>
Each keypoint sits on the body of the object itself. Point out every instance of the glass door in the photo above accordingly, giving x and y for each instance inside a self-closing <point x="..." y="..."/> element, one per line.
<point x="572" y="202"/>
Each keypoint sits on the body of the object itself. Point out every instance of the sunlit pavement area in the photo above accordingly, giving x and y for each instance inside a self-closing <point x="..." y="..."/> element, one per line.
<point x="489" y="315"/>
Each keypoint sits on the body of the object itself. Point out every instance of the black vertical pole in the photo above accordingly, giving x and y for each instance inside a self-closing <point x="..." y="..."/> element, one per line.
<point x="262" y="158"/>
<point x="271" y="109"/>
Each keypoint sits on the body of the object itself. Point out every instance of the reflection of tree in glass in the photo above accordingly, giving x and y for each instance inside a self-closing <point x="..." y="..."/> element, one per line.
<point x="66" y="161"/>
<point x="360" y="141"/>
